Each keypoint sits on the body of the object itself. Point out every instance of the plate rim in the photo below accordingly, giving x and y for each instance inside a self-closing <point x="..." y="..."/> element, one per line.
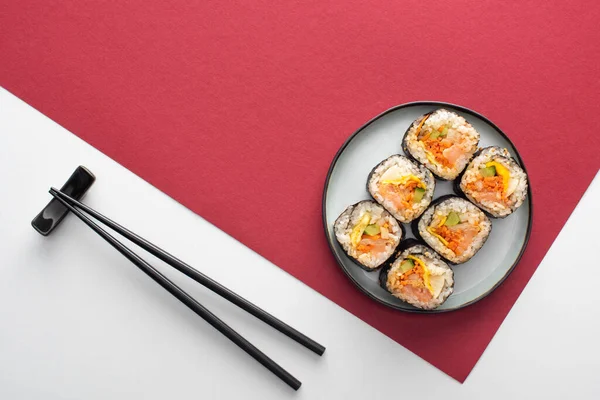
<point x="358" y="131"/>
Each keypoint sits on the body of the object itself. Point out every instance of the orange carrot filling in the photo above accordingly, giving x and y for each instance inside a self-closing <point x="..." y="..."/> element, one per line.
<point x="487" y="184"/>
<point x="458" y="240"/>
<point x="436" y="148"/>
<point x="435" y="145"/>
<point x="453" y="237"/>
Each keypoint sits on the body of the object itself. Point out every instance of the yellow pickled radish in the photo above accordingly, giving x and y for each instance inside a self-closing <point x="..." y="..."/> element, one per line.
<point x="358" y="230"/>
<point x="426" y="273"/>
<point x="430" y="157"/>
<point x="395" y="176"/>
<point x="441" y="239"/>
<point x="433" y="283"/>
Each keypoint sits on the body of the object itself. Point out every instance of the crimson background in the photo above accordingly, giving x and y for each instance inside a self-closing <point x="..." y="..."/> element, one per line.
<point x="236" y="109"/>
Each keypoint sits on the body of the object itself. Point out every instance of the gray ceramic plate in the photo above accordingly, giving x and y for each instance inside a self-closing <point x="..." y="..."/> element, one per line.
<point x="346" y="184"/>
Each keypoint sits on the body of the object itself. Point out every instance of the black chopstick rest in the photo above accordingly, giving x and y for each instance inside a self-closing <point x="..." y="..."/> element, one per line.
<point x="52" y="215"/>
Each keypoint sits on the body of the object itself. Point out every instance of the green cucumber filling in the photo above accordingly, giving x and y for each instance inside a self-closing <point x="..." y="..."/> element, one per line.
<point x="372" y="230"/>
<point x="407" y="265"/>
<point x="452" y="219"/>
<point x="488" y="171"/>
<point x="418" y="196"/>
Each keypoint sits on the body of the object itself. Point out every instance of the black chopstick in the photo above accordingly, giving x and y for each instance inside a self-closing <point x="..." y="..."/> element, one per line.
<point x="197" y="276"/>
<point x="186" y="299"/>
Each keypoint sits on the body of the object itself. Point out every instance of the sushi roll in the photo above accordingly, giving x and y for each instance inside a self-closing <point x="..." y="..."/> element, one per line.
<point x="443" y="141"/>
<point x="453" y="227"/>
<point x="418" y="276"/>
<point x="494" y="182"/>
<point x="368" y="234"/>
<point x="402" y="187"/>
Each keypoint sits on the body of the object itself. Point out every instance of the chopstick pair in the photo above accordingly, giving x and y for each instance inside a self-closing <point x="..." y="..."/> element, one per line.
<point x="75" y="207"/>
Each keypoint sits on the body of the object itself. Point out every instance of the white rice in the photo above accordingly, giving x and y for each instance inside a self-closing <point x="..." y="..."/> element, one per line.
<point x="518" y="181"/>
<point x="467" y="210"/>
<point x="435" y="265"/>
<point x="351" y="216"/>
<point x="405" y="167"/>
<point x="457" y="127"/>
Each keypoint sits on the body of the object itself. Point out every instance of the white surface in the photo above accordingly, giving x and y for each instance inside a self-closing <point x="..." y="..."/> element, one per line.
<point x="78" y="321"/>
<point x="383" y="138"/>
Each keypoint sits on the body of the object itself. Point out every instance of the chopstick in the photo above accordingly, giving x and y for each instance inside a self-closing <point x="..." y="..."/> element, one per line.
<point x="186" y="299"/>
<point x="197" y="276"/>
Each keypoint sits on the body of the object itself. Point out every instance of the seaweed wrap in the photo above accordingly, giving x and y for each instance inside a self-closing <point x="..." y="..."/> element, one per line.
<point x="442" y="141"/>
<point x="368" y="234"/>
<point x="418" y="276"/>
<point x="494" y="182"/>
<point x="454" y="227"/>
<point x="403" y="187"/>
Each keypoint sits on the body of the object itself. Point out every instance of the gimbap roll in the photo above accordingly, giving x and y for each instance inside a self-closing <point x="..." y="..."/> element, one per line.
<point x="418" y="276"/>
<point x="494" y="182"/>
<point x="443" y="141"/>
<point x="368" y="234"/>
<point x="402" y="187"/>
<point x="454" y="227"/>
